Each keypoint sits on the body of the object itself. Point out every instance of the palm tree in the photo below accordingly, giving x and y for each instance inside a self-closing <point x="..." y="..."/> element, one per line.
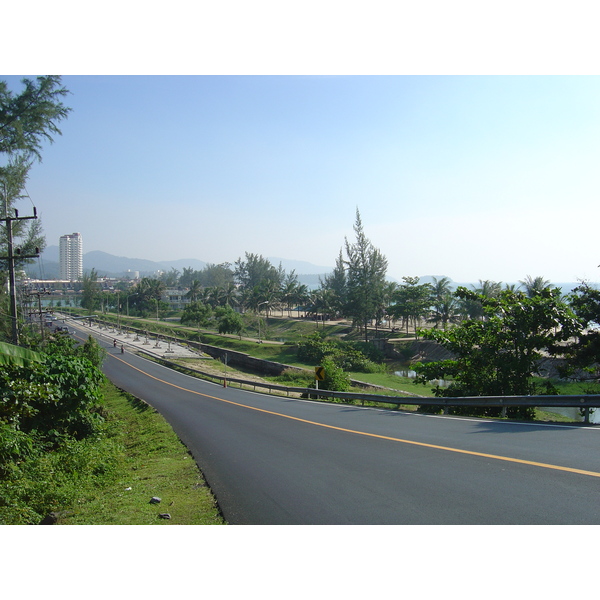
<point x="217" y="296"/>
<point x="534" y="285"/>
<point x="194" y="291"/>
<point x="441" y="287"/>
<point x="473" y="309"/>
<point x="301" y="296"/>
<point x="147" y="294"/>
<point x="444" y="304"/>
<point x="321" y="301"/>
<point x="288" y="295"/>
<point x="230" y="295"/>
<point x="445" y="310"/>
<point x="488" y="288"/>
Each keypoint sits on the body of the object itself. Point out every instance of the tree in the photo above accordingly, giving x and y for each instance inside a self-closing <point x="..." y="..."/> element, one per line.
<point x="197" y="314"/>
<point x="412" y="302"/>
<point x="146" y="296"/>
<point x="498" y="356"/>
<point x="288" y="292"/>
<point x="229" y="321"/>
<point x="366" y="270"/>
<point x="90" y="298"/>
<point x="187" y="276"/>
<point x="445" y="310"/>
<point x="440" y="287"/>
<point x="31" y="117"/>
<point x="534" y="285"/>
<point x="584" y="353"/>
<point x="27" y="234"/>
<point x="194" y="291"/>
<point x="170" y="278"/>
<point x="212" y="275"/>
<point x="26" y="120"/>
<point x="444" y="304"/>
<point x="322" y="303"/>
<point x="255" y="270"/>
<point x="336" y="284"/>
<point x="336" y="379"/>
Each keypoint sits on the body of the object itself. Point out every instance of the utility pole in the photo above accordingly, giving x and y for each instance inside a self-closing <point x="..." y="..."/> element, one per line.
<point x="40" y="312"/>
<point x="11" y="267"/>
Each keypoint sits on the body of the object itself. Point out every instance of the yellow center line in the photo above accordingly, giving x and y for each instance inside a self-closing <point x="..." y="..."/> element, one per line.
<point x="374" y="435"/>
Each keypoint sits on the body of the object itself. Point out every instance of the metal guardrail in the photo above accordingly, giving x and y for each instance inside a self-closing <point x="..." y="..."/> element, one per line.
<point x="578" y="401"/>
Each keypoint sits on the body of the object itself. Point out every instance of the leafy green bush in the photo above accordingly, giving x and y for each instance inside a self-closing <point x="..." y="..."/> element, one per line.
<point x="335" y="377"/>
<point x="51" y="423"/>
<point x="313" y="348"/>
<point x="349" y="356"/>
<point x="41" y="482"/>
<point x="295" y="378"/>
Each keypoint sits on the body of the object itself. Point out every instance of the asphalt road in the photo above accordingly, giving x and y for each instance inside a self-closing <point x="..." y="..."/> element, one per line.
<point x="272" y="460"/>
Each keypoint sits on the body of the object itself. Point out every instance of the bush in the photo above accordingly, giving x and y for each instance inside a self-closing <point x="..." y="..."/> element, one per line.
<point x="59" y="396"/>
<point x="349" y="356"/>
<point x="295" y="378"/>
<point x="313" y="348"/>
<point x="335" y="377"/>
<point x="43" y="482"/>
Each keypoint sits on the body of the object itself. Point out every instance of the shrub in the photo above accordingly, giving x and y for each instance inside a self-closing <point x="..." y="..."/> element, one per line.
<point x="335" y="377"/>
<point x="350" y="356"/>
<point x="60" y="395"/>
<point x="295" y="378"/>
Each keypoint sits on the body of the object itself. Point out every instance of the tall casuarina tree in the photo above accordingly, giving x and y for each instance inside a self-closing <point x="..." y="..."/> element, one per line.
<point x="366" y="271"/>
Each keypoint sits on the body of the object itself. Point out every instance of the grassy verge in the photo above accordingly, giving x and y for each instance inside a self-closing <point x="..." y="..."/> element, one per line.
<point x="152" y="462"/>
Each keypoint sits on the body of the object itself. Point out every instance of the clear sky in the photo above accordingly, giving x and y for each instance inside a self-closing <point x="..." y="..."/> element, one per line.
<point x="471" y="177"/>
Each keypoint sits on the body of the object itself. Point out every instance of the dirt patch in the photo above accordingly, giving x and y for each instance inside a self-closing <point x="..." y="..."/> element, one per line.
<point x="217" y="369"/>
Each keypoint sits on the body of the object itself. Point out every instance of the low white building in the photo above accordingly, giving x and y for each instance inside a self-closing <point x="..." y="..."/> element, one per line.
<point x="175" y="298"/>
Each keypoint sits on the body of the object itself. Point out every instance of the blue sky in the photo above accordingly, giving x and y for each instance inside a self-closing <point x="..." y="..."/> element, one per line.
<point x="471" y="177"/>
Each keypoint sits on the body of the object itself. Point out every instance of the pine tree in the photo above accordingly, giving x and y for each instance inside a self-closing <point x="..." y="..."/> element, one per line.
<point x="366" y="271"/>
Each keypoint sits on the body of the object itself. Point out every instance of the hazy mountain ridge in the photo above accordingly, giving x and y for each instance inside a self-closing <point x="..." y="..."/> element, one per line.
<point x="109" y="265"/>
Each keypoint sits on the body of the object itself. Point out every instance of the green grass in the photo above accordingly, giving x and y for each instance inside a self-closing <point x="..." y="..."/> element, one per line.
<point x="152" y="462"/>
<point x="389" y="380"/>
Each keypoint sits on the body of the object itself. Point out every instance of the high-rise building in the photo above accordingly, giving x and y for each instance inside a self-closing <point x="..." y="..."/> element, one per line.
<point x="71" y="257"/>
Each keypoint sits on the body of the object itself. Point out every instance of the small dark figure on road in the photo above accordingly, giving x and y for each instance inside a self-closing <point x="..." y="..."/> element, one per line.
<point x="114" y="343"/>
<point x="122" y="349"/>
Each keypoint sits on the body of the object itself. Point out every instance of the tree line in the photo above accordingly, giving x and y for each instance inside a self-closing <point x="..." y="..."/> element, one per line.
<point x="357" y="289"/>
<point x="496" y="333"/>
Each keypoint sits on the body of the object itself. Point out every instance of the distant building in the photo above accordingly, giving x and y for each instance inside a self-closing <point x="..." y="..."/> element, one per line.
<point x="71" y="257"/>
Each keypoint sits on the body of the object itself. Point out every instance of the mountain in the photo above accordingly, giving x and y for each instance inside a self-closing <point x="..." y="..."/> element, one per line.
<point x="116" y="266"/>
<point x="109" y="265"/>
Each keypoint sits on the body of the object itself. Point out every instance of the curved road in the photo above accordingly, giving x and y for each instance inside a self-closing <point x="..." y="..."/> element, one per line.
<point x="272" y="460"/>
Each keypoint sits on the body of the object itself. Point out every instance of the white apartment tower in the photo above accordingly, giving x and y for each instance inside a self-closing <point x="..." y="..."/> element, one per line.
<point x="71" y="257"/>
